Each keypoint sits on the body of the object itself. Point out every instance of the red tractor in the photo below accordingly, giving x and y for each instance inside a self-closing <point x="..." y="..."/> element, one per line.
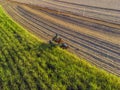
<point x="57" y="41"/>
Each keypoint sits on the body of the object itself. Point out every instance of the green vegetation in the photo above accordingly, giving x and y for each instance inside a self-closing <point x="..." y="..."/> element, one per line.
<point x="26" y="63"/>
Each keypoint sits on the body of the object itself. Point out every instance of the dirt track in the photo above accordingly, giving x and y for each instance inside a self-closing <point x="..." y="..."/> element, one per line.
<point x="95" y="40"/>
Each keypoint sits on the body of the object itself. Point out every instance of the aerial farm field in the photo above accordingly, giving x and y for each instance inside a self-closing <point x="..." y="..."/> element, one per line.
<point x="92" y="37"/>
<point x="29" y="62"/>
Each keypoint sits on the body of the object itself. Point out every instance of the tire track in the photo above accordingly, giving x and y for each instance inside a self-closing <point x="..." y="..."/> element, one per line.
<point x="93" y="26"/>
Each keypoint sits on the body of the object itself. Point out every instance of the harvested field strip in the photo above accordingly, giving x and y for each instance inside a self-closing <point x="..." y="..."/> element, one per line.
<point x="92" y="20"/>
<point x="87" y="11"/>
<point x="90" y="25"/>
